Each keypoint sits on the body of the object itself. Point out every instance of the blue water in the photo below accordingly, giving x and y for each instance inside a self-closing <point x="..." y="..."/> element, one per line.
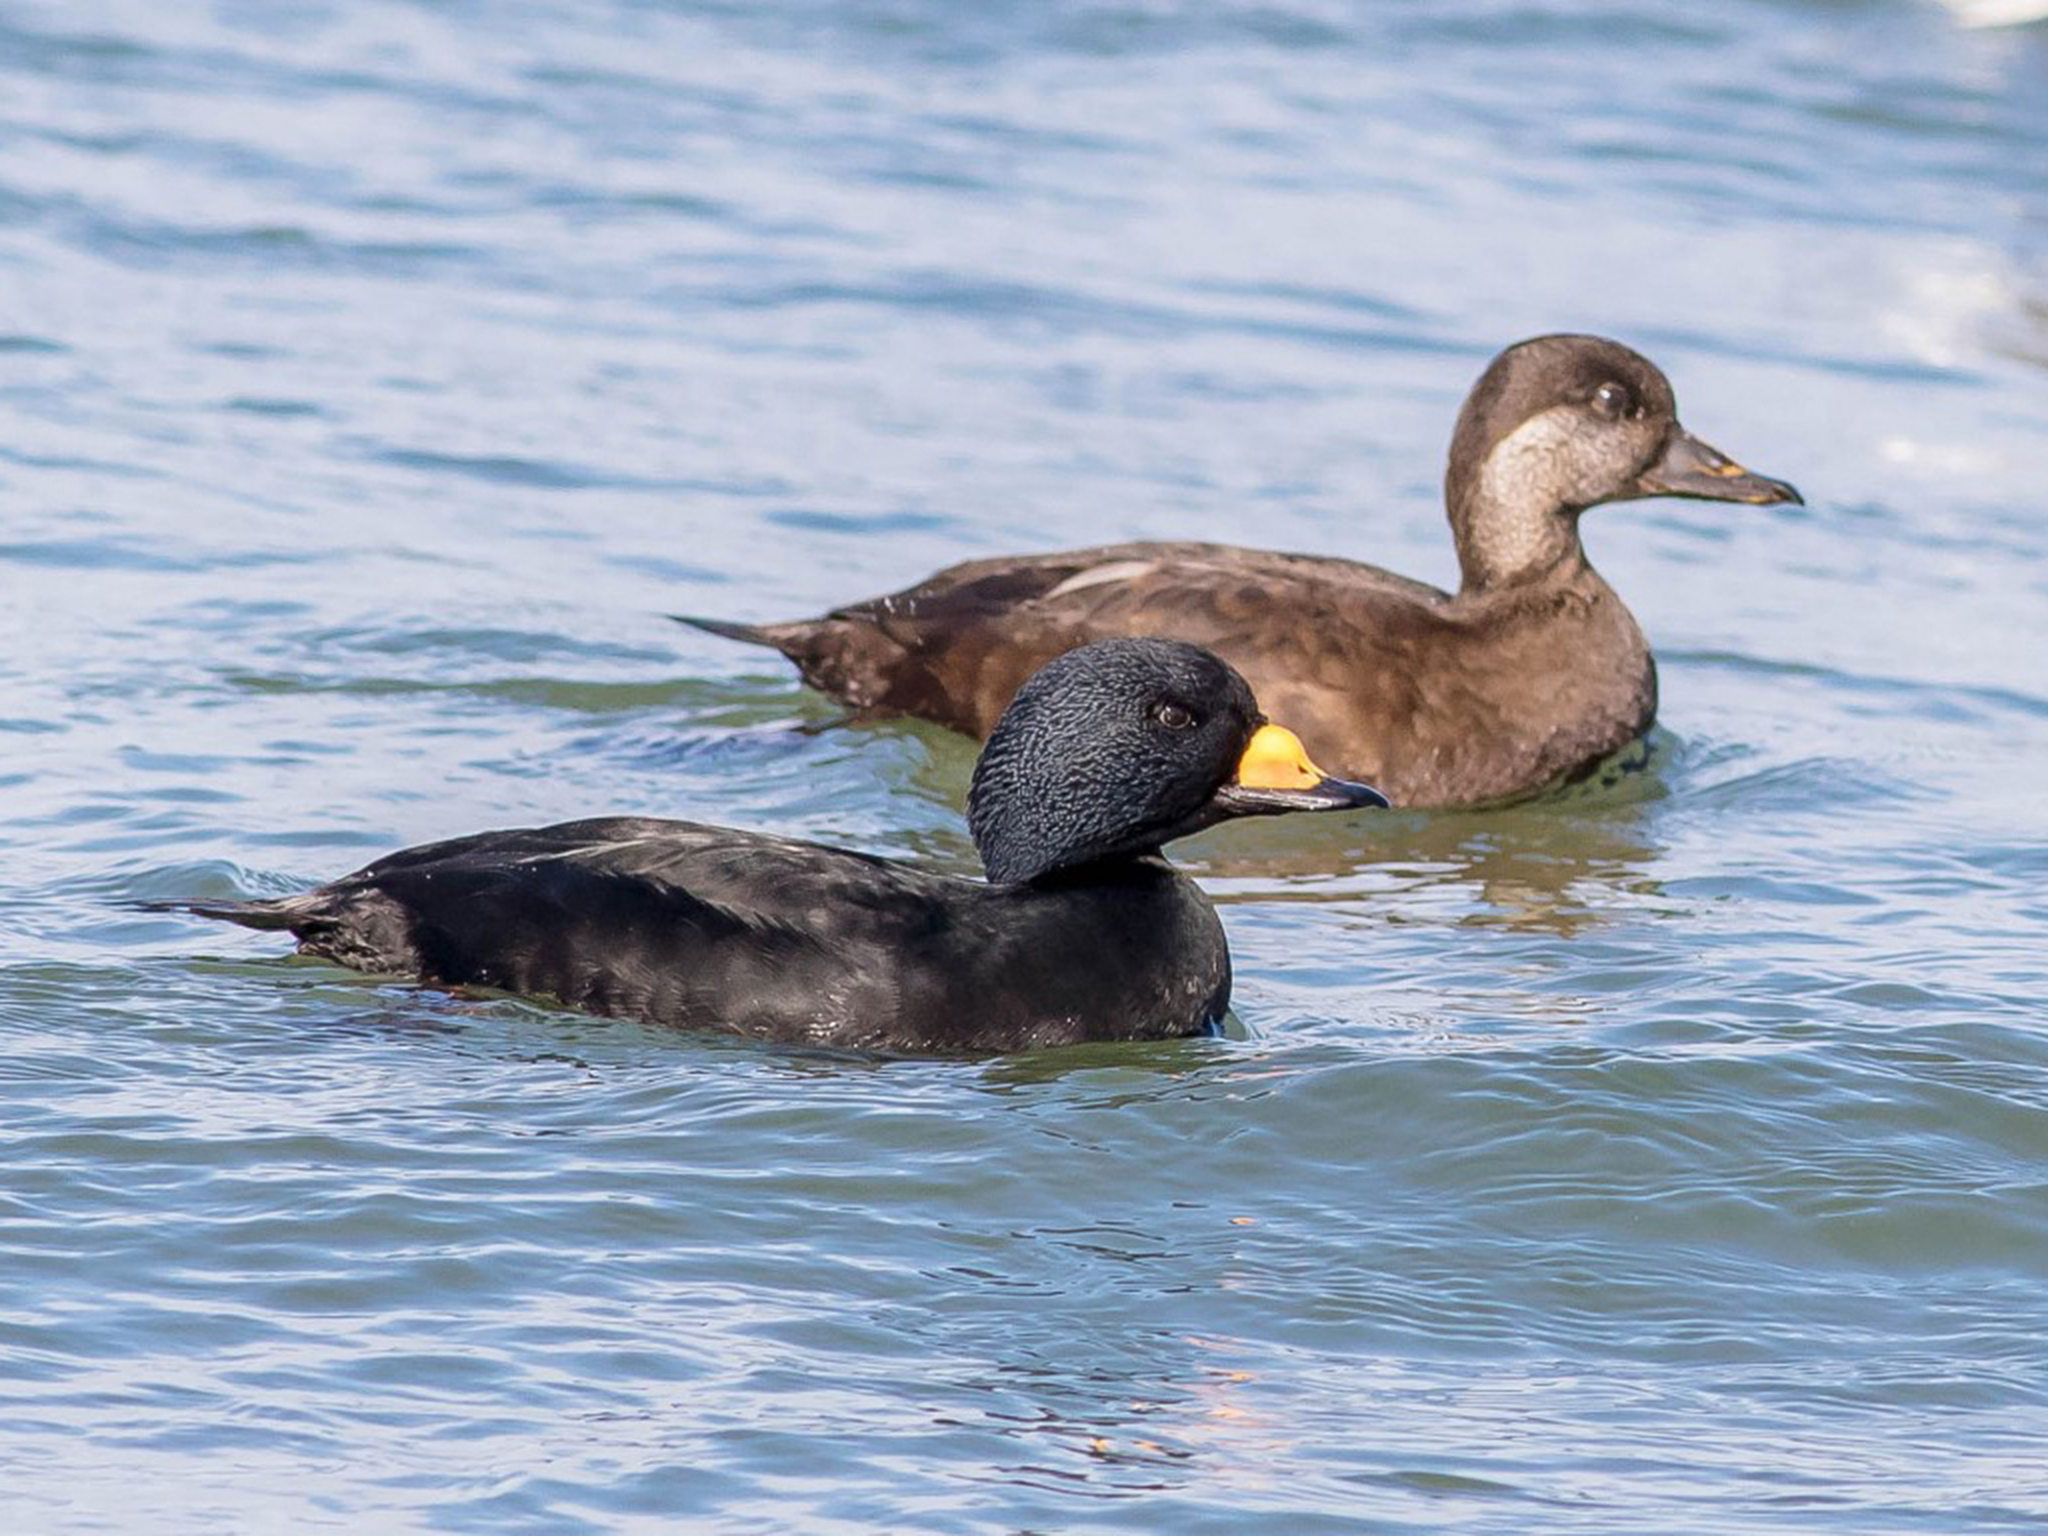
<point x="375" y="376"/>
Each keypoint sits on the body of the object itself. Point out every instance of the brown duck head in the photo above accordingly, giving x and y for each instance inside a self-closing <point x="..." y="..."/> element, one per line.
<point x="1558" y="424"/>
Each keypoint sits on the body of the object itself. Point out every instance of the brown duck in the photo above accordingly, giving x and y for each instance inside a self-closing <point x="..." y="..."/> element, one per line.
<point x="1529" y="675"/>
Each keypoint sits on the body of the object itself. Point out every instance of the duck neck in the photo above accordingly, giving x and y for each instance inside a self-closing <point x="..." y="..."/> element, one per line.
<point x="1143" y="867"/>
<point x="1505" y="535"/>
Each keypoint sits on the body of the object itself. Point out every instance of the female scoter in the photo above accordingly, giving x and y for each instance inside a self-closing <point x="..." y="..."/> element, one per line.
<point x="1082" y="932"/>
<point x="1529" y="675"/>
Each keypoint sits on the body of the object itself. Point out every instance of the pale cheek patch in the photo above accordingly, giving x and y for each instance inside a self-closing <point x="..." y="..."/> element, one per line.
<point x="1526" y="476"/>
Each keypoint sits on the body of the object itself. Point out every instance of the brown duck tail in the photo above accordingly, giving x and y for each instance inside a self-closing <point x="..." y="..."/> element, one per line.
<point x="731" y="629"/>
<point x="846" y="656"/>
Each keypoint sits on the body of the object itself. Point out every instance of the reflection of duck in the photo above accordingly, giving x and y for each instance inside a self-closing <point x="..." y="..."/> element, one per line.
<point x="1083" y="931"/>
<point x="1530" y="674"/>
<point x="1558" y="868"/>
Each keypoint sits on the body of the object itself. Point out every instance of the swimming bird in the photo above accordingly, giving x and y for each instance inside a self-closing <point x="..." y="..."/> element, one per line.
<point x="1531" y="674"/>
<point x="1082" y="931"/>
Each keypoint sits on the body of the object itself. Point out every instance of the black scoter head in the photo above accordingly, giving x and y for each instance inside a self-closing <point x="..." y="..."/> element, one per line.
<point x="1117" y="748"/>
<point x="1558" y="424"/>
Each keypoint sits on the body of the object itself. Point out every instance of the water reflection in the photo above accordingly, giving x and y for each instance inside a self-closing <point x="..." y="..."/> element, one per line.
<point x="1541" y="867"/>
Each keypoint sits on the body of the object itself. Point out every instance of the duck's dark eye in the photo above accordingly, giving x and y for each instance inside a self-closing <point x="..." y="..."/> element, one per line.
<point x="1175" y="717"/>
<point x="1614" y="401"/>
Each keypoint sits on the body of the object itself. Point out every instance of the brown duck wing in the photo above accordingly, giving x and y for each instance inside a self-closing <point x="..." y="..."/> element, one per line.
<point x="1345" y="655"/>
<point x="1316" y="637"/>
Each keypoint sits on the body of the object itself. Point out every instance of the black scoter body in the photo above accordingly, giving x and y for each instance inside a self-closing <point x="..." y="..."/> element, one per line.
<point x="1084" y="931"/>
<point x="1531" y="673"/>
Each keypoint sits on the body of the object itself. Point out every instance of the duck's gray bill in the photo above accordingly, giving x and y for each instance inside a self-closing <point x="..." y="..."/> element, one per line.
<point x="1689" y="467"/>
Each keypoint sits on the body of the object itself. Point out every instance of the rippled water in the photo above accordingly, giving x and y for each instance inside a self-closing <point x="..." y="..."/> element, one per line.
<point x="374" y="377"/>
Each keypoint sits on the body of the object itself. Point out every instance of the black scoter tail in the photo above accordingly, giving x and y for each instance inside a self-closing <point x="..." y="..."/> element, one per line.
<point x="283" y="913"/>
